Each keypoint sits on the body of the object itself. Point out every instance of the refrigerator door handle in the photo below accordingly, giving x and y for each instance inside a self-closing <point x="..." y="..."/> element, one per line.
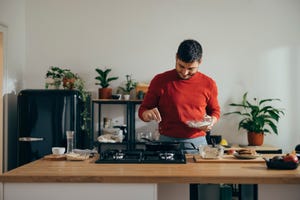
<point x="30" y="139"/>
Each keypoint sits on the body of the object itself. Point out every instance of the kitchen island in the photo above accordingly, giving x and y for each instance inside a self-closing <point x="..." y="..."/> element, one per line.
<point x="43" y="179"/>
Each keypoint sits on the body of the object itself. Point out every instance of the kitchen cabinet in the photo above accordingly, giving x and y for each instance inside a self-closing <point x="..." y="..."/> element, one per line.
<point x="130" y="118"/>
<point x="79" y="191"/>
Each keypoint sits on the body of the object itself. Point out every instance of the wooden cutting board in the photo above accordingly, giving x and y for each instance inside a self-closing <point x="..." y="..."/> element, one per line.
<point x="55" y="157"/>
<point x="227" y="159"/>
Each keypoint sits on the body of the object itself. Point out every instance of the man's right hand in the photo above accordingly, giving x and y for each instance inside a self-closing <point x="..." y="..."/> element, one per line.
<point x="152" y="114"/>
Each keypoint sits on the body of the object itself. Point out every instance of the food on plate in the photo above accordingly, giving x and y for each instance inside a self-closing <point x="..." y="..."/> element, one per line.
<point x="76" y="156"/>
<point x="231" y="151"/>
<point x="246" y="152"/>
<point x="287" y="161"/>
<point x="277" y="158"/>
<point x="290" y="158"/>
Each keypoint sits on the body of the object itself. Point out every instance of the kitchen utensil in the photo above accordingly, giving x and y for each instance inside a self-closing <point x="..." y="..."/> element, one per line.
<point x="226" y="159"/>
<point x="167" y="146"/>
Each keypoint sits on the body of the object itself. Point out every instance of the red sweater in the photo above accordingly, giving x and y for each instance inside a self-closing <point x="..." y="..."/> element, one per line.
<point x="179" y="101"/>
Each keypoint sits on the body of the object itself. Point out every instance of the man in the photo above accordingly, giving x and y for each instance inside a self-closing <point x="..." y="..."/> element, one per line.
<point x="180" y="95"/>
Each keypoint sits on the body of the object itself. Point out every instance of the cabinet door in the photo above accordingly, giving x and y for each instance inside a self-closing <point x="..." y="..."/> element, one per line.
<point x="79" y="191"/>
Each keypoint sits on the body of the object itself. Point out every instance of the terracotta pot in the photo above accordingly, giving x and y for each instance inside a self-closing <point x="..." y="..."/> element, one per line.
<point x="255" y="139"/>
<point x="104" y="93"/>
<point x="69" y="83"/>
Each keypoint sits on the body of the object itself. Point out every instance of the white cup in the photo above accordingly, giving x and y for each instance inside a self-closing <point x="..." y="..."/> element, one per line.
<point x="58" y="150"/>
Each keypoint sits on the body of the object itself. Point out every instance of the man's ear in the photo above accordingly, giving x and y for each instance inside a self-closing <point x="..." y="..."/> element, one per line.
<point x="200" y="61"/>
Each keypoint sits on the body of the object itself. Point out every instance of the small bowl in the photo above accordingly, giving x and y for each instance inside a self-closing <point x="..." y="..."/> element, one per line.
<point x="116" y="96"/>
<point x="58" y="150"/>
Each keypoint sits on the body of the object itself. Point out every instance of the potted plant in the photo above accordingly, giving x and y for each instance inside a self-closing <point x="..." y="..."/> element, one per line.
<point x="54" y="78"/>
<point x="258" y="118"/>
<point x="69" y="79"/>
<point x="129" y="85"/>
<point x="104" y="81"/>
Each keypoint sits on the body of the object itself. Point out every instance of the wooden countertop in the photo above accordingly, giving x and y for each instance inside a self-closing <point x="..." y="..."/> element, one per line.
<point x="87" y="171"/>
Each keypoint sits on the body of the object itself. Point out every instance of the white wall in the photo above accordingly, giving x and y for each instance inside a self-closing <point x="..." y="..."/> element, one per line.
<point x="12" y="17"/>
<point x="249" y="45"/>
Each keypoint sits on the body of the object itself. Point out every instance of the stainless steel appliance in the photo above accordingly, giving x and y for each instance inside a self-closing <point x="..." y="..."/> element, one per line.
<point x="44" y="116"/>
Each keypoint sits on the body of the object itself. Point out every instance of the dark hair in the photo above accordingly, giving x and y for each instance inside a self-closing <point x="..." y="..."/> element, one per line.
<point x="189" y="51"/>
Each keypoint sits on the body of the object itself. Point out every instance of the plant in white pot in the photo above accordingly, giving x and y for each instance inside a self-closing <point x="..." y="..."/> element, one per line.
<point x="258" y="118"/>
<point x="54" y="78"/>
<point x="105" y="91"/>
<point x="129" y="86"/>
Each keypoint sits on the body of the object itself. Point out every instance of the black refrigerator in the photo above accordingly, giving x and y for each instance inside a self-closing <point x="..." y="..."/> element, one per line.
<point x="44" y="116"/>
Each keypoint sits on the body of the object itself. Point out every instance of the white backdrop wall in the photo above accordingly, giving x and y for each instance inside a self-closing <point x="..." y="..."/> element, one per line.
<point x="12" y="17"/>
<point x="249" y="45"/>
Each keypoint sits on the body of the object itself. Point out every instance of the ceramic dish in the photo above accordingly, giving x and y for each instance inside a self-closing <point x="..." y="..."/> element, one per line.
<point x="277" y="164"/>
<point x="245" y="156"/>
<point x="197" y="124"/>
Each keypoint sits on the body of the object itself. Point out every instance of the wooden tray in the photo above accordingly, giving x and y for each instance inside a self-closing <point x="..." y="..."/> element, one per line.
<point x="227" y="159"/>
<point x="55" y="157"/>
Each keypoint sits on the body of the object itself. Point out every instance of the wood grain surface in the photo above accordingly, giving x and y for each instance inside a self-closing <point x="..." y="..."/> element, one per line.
<point x="87" y="171"/>
<point x="228" y="159"/>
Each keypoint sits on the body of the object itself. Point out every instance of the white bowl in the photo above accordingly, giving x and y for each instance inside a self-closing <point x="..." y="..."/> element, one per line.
<point x="58" y="150"/>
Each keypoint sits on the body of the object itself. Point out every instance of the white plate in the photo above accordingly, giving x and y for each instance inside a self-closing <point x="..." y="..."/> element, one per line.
<point x="245" y="156"/>
<point x="197" y="124"/>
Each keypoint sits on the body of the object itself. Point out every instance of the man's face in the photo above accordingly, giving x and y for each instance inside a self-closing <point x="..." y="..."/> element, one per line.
<point x="186" y="70"/>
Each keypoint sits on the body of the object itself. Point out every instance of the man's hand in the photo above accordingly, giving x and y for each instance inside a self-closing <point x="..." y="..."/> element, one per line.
<point x="152" y="114"/>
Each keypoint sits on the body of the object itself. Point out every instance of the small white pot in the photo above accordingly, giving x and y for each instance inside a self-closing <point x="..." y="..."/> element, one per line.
<point x="126" y="96"/>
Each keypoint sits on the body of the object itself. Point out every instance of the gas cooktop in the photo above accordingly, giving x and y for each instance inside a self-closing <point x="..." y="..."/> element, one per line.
<point x="142" y="156"/>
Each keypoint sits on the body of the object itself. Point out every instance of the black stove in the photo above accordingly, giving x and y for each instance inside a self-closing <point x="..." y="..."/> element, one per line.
<point x="142" y="156"/>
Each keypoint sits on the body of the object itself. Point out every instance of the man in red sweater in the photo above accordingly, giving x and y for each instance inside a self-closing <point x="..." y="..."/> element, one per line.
<point x="183" y="94"/>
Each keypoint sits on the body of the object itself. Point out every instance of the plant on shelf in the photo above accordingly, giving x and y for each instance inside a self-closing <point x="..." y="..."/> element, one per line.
<point x="54" y="77"/>
<point x="129" y="85"/>
<point x="105" y="91"/>
<point x="258" y="118"/>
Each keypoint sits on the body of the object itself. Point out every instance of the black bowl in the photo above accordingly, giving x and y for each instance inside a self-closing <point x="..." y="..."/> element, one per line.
<point x="215" y="138"/>
<point x="280" y="164"/>
<point x="116" y="96"/>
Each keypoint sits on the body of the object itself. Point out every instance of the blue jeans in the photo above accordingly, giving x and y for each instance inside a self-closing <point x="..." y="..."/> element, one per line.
<point x="195" y="141"/>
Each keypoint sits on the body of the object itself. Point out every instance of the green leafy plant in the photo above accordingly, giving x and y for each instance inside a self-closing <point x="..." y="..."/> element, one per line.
<point x="85" y="97"/>
<point x="258" y="117"/>
<point x="54" y="77"/>
<point x="104" y="80"/>
<point x="129" y="85"/>
<point x="55" y="72"/>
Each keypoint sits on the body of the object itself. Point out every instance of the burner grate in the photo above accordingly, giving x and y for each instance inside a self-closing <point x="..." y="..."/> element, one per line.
<point x="140" y="156"/>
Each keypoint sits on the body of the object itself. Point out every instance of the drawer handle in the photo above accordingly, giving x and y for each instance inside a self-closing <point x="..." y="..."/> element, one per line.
<point x="30" y="139"/>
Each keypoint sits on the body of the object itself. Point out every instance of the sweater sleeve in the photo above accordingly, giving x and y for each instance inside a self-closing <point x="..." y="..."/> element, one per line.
<point x="213" y="107"/>
<point x="151" y="99"/>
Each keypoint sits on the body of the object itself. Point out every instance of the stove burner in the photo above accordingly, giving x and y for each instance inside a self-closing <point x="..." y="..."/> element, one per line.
<point x="141" y="156"/>
<point x="166" y="156"/>
<point x="118" y="155"/>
